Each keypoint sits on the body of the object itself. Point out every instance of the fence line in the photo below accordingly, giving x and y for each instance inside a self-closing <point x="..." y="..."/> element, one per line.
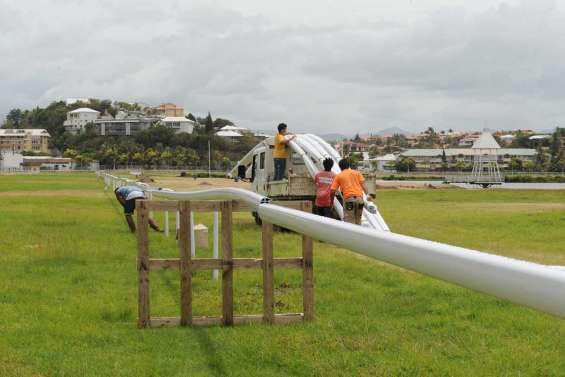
<point x="538" y="286"/>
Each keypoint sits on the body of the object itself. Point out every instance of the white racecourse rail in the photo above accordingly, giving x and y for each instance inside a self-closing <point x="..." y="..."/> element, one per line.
<point x="537" y="286"/>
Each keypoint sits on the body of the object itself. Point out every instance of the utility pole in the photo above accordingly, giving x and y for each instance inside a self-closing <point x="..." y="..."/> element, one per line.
<point x="209" y="160"/>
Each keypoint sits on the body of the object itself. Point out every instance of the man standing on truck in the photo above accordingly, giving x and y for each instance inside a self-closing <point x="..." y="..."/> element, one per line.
<point x="280" y="154"/>
<point x="323" y="181"/>
<point x="127" y="195"/>
<point x="352" y="186"/>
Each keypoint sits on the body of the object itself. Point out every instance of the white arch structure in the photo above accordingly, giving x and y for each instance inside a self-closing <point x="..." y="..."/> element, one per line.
<point x="535" y="285"/>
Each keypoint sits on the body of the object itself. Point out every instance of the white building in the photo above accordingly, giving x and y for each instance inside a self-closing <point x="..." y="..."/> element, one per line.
<point x="10" y="161"/>
<point x="507" y="139"/>
<point x="179" y="124"/>
<point x="230" y="135"/>
<point x="79" y="118"/>
<point x="38" y="163"/>
<point x="386" y="162"/>
<point x="240" y="130"/>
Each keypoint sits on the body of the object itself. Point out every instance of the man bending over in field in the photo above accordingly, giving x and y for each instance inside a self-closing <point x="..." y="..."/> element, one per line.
<point x="352" y="186"/>
<point x="127" y="195"/>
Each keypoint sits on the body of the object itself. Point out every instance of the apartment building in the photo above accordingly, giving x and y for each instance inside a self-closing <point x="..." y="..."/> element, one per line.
<point x="79" y="118"/>
<point x="29" y="139"/>
<point x="179" y="124"/>
<point x="170" y="110"/>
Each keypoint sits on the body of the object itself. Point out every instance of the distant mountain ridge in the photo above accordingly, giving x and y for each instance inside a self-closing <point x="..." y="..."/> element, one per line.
<point x="333" y="137"/>
<point x="391" y="131"/>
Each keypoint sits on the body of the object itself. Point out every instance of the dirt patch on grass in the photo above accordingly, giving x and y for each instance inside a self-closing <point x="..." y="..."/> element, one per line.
<point x="53" y="193"/>
<point x="512" y="207"/>
<point x="408" y="186"/>
<point x="191" y="184"/>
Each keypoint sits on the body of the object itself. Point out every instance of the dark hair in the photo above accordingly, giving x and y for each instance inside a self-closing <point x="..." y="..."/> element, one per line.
<point x="328" y="164"/>
<point x="281" y="127"/>
<point x="344" y="164"/>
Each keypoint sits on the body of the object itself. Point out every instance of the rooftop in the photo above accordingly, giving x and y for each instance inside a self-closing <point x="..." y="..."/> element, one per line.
<point x="539" y="137"/>
<point x="232" y="128"/>
<point x="176" y="119"/>
<point x="485" y="141"/>
<point x="84" y="110"/>
<point x="24" y="131"/>
<point x="465" y="152"/>
<point x="228" y="134"/>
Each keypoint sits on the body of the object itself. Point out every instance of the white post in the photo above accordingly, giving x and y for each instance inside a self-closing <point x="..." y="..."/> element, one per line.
<point x="192" y="240"/>
<point x="150" y="197"/>
<point x="215" y="254"/>
<point x="166" y="223"/>
<point x="178" y="222"/>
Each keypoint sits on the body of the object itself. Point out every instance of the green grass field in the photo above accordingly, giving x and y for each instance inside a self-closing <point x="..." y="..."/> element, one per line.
<point x="68" y="293"/>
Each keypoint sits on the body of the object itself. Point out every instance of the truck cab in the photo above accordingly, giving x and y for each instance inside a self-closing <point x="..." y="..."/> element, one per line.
<point x="260" y="170"/>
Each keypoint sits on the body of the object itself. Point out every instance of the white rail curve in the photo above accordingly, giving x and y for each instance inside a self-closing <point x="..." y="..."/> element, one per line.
<point x="538" y="286"/>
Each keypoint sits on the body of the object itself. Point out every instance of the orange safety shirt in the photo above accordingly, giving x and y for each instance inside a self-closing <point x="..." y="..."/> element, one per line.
<point x="280" y="147"/>
<point x="350" y="182"/>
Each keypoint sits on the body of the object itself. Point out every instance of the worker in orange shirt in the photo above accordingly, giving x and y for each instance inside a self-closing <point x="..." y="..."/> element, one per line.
<point x="352" y="186"/>
<point x="280" y="153"/>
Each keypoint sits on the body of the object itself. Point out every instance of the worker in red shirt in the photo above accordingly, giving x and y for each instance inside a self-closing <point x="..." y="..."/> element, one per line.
<point x="323" y="181"/>
<point x="352" y="186"/>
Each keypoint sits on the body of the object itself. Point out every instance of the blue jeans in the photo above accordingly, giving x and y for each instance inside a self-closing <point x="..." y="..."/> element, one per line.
<point x="280" y="168"/>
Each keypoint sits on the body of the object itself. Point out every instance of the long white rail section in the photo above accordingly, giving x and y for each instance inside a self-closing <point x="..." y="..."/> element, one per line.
<point x="537" y="286"/>
<point x="316" y="149"/>
<point x="313" y="151"/>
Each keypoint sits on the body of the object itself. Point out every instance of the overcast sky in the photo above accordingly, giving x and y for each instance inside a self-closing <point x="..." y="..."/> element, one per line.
<point x="320" y="66"/>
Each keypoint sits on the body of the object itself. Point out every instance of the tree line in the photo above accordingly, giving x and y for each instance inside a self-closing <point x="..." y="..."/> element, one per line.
<point x="157" y="146"/>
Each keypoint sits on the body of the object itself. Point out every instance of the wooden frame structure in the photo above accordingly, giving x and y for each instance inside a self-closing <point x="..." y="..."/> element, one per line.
<point x="227" y="263"/>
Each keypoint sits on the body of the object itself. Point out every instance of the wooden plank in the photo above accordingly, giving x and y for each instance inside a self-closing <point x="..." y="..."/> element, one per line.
<point x="206" y="321"/>
<point x="206" y="263"/>
<point x="205" y="206"/>
<point x="268" y="273"/>
<point x="250" y="318"/>
<point x="165" y="322"/>
<point x="227" y="256"/>
<point x="281" y="319"/>
<point x="185" y="271"/>
<point x="210" y="206"/>
<point x="156" y="264"/>
<point x="288" y="262"/>
<point x="215" y="320"/>
<point x="308" y="278"/>
<point x="143" y="264"/>
<point x="162" y="205"/>
<point x="239" y="206"/>
<point x="247" y="263"/>
<point x="237" y="320"/>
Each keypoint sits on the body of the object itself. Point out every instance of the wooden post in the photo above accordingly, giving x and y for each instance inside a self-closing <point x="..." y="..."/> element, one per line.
<point x="215" y="245"/>
<point x="143" y="264"/>
<point x="192" y="237"/>
<point x="185" y="267"/>
<point x="166" y="214"/>
<point x="268" y="273"/>
<point x="227" y="256"/>
<point x="308" y="271"/>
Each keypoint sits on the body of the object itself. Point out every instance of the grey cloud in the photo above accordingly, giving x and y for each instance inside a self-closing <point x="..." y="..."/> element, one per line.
<point x="450" y="67"/>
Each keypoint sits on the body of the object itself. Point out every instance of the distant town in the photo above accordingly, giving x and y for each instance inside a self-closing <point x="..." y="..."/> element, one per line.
<point x="91" y="134"/>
